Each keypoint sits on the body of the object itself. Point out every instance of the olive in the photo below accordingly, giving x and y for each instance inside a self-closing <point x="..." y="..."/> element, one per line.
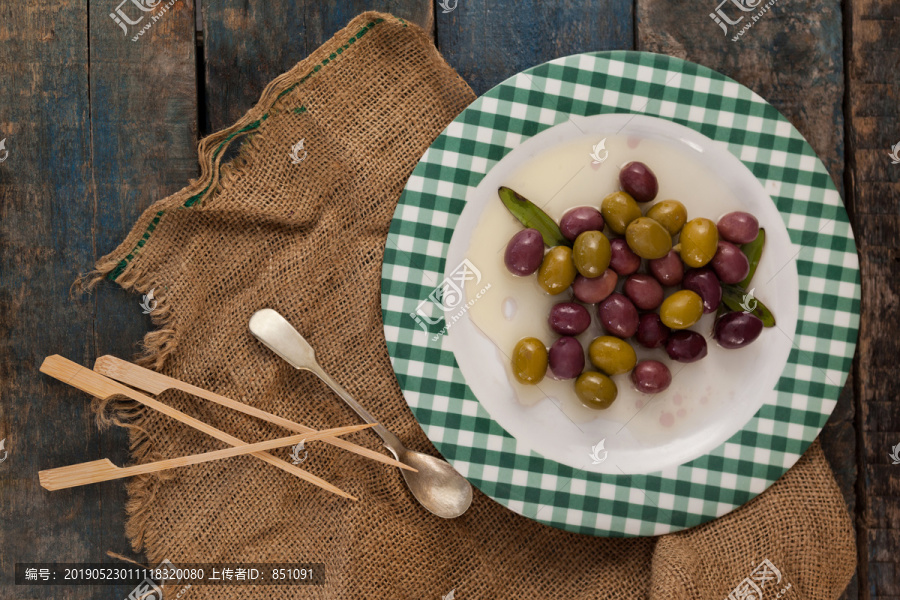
<point x="737" y="329"/>
<point x="529" y="361"/>
<point x="668" y="270"/>
<point x="651" y="332"/>
<point x="730" y="264"/>
<point x="524" y="252"/>
<point x="651" y="377"/>
<point x="591" y="253"/>
<point x="596" y="390"/>
<point x="681" y="310"/>
<point x="557" y="271"/>
<point x="638" y="180"/>
<point x="568" y="318"/>
<point x="648" y="238"/>
<point x="618" y="315"/>
<point x="738" y="227"/>
<point x="578" y="220"/>
<point x="591" y="290"/>
<point x="566" y="358"/>
<point x="618" y="210"/>
<point x="671" y="214"/>
<point x="686" y="346"/>
<point x="644" y="291"/>
<point x="705" y="283"/>
<point x="622" y="260"/>
<point x="612" y="355"/>
<point x="699" y="241"/>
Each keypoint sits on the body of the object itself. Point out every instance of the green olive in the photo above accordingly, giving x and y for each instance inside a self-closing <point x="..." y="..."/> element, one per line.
<point x="648" y="239"/>
<point x="681" y="310"/>
<point x="612" y="355"/>
<point x="529" y="361"/>
<point x="671" y="214"/>
<point x="557" y="271"/>
<point x="618" y="210"/>
<point x="591" y="253"/>
<point x="698" y="242"/>
<point x="596" y="390"/>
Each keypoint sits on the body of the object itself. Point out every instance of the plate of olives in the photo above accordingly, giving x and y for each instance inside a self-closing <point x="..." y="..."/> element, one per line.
<point x="620" y="308"/>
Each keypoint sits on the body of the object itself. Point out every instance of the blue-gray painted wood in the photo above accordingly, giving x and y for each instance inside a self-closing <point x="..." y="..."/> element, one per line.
<point x="486" y="42"/>
<point x="247" y="44"/>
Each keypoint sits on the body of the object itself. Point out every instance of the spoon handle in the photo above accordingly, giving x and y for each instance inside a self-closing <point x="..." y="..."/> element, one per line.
<point x="274" y="331"/>
<point x="391" y="441"/>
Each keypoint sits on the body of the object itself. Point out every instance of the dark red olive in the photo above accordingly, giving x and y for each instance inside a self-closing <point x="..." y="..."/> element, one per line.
<point x="638" y="181"/>
<point x="737" y="329"/>
<point x="686" y="346"/>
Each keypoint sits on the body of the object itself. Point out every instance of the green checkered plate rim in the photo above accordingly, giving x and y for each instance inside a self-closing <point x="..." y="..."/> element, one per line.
<point x="827" y="266"/>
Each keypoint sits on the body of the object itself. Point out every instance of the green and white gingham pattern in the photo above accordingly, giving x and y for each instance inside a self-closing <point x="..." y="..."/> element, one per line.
<point x="827" y="265"/>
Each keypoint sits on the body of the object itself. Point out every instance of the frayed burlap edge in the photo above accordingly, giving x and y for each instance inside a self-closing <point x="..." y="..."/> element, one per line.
<point x="122" y="264"/>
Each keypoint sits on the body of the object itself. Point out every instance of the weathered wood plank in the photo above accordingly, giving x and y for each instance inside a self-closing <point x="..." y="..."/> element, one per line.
<point x="874" y="197"/>
<point x="249" y="44"/>
<point x="144" y="138"/>
<point x="46" y="219"/>
<point x="486" y="42"/>
<point x="793" y="57"/>
<point x="97" y="126"/>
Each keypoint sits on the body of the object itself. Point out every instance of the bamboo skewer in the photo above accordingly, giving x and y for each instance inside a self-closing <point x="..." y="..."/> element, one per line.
<point x="156" y="383"/>
<point x="97" y="385"/>
<point x="104" y="470"/>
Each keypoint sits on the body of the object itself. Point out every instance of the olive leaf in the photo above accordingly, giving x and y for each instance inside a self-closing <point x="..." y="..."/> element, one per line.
<point x="532" y="217"/>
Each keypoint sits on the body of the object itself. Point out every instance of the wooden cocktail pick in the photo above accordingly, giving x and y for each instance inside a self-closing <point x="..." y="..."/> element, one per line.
<point x="156" y="383"/>
<point x="102" y="387"/>
<point x="103" y="470"/>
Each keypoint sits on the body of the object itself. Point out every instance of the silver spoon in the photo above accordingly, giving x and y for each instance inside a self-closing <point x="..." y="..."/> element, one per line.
<point x="437" y="486"/>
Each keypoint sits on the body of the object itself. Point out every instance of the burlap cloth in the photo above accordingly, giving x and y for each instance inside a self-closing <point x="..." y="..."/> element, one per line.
<point x="307" y="239"/>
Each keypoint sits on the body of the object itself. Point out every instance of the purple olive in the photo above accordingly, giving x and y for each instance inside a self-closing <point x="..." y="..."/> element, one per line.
<point x="738" y="227"/>
<point x="686" y="346"/>
<point x="566" y="358"/>
<point x="644" y="291"/>
<point x="638" y="181"/>
<point x="651" y="377"/>
<point x="651" y="332"/>
<point x="737" y="329"/>
<point x="581" y="219"/>
<point x="622" y="259"/>
<point x="524" y="252"/>
<point x="618" y="315"/>
<point x="668" y="270"/>
<point x="568" y="318"/>
<point x="591" y="290"/>
<point x="729" y="263"/>
<point x="705" y="284"/>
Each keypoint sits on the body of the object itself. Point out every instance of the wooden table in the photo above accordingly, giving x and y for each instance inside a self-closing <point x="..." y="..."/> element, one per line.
<point x="98" y="126"/>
